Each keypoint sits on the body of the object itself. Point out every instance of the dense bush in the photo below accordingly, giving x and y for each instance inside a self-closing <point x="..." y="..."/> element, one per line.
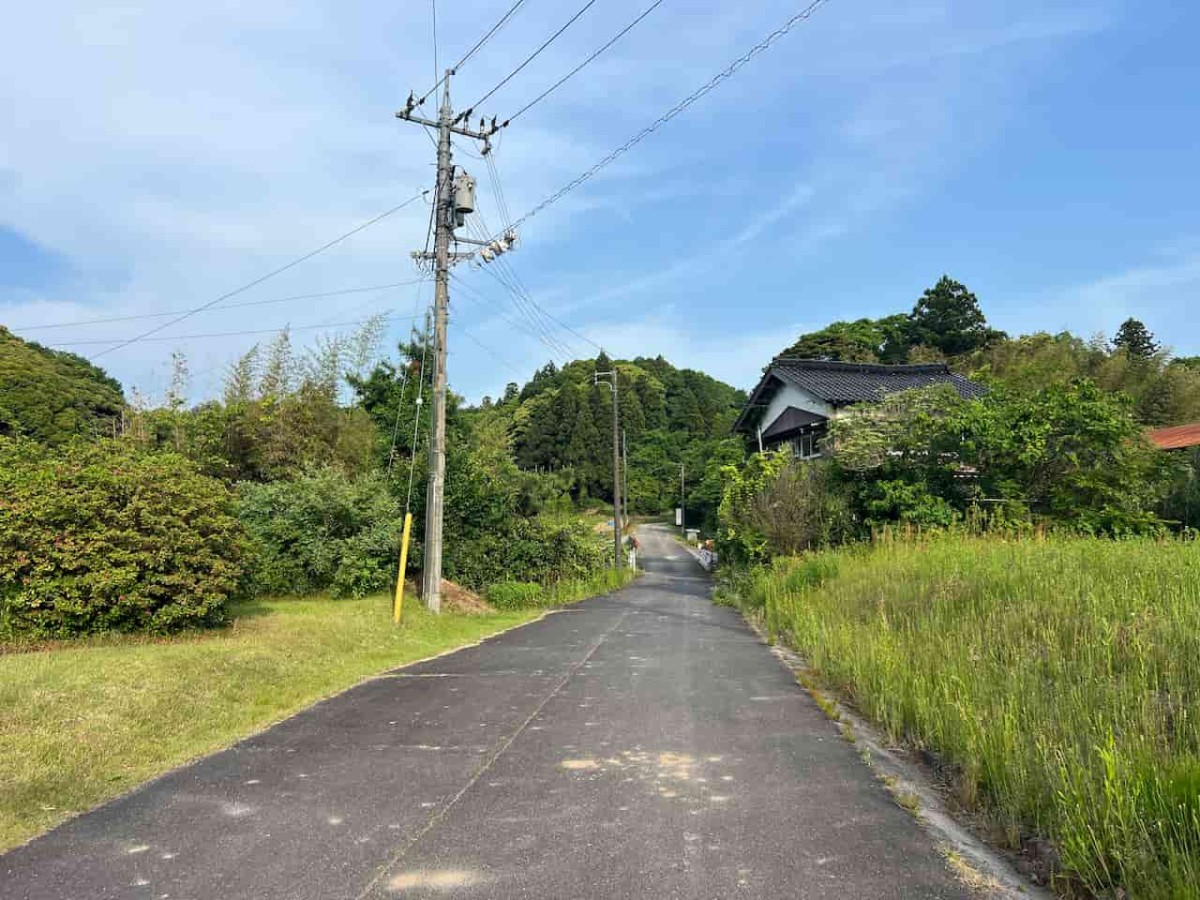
<point x="515" y="594"/>
<point x="776" y="505"/>
<point x="1071" y="454"/>
<point x="532" y="550"/>
<point x="323" y="530"/>
<point x="99" y="537"/>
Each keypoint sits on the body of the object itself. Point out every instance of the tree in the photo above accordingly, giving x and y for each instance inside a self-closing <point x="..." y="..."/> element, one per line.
<point x="241" y="376"/>
<point x="1070" y="453"/>
<point x="52" y="396"/>
<point x="948" y="318"/>
<point x="1136" y="340"/>
<point x="884" y="340"/>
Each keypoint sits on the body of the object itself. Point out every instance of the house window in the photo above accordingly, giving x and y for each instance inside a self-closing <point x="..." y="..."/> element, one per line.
<point x="804" y="446"/>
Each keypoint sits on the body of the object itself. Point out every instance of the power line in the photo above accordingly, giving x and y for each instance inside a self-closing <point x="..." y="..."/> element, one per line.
<point x="491" y="31"/>
<point x="521" y="298"/>
<point x="575" y="71"/>
<point x="163" y="315"/>
<point x="257" y="281"/>
<point x="538" y="309"/>
<point x="666" y="117"/>
<point x="433" y="10"/>
<point x="488" y="350"/>
<point x="483" y="40"/>
<point x="526" y="328"/>
<point x="225" y="334"/>
<point x="412" y="459"/>
<point x="473" y="294"/>
<point x="400" y="400"/>
<point x="536" y="53"/>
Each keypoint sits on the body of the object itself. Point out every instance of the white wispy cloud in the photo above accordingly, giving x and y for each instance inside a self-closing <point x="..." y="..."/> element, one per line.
<point x="166" y="153"/>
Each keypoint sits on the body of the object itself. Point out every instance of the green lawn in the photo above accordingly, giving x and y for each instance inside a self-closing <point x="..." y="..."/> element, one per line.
<point x="83" y="723"/>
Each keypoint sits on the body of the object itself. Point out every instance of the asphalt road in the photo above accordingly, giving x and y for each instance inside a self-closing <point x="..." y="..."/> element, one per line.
<point x="641" y="745"/>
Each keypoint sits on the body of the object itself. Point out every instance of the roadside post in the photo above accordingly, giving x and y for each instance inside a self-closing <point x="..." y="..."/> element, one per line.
<point x="399" y="602"/>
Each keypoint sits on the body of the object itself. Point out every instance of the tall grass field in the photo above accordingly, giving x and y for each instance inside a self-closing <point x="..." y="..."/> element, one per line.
<point x="1059" y="679"/>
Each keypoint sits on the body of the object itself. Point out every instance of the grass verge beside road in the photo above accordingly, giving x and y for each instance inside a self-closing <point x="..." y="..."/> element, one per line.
<point x="1059" y="680"/>
<point x="82" y="723"/>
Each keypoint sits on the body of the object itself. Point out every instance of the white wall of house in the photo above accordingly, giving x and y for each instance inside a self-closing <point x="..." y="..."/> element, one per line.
<point x="790" y="395"/>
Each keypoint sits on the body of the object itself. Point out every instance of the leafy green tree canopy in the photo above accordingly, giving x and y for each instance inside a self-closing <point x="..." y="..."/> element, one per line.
<point x="52" y="396"/>
<point x="948" y="318"/>
<point x="863" y="340"/>
<point x="1136" y="340"/>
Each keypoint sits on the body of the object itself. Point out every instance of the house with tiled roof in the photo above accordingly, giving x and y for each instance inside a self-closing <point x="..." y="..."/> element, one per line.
<point x="796" y="399"/>
<point x="1177" y="437"/>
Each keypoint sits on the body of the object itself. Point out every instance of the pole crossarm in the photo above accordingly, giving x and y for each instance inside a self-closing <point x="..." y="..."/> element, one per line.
<point x="461" y="130"/>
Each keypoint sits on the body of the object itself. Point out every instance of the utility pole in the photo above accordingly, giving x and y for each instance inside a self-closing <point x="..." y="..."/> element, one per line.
<point x="625" y="476"/>
<point x="682" y="500"/>
<point x="454" y="198"/>
<point x="612" y="384"/>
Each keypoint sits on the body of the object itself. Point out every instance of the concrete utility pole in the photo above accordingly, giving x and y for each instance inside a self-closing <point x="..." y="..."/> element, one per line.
<point x="612" y="384"/>
<point x="454" y="198"/>
<point x="682" y="500"/>
<point x="625" y="476"/>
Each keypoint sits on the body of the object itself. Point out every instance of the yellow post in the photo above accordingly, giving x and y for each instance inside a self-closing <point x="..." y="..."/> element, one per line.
<point x="403" y="568"/>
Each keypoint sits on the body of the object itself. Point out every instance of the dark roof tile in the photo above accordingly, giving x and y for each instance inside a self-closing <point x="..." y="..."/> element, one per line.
<point x="842" y="383"/>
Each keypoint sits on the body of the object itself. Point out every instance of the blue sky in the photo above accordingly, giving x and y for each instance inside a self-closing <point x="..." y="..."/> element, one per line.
<point x="154" y="156"/>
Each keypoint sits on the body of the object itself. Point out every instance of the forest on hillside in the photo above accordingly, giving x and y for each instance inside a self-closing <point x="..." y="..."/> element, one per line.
<point x="560" y="423"/>
<point x="298" y="476"/>
<point x="1057" y="440"/>
<point x="297" y="479"/>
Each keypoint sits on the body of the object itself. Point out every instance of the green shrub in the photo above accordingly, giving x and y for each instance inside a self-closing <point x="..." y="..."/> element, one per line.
<point x="526" y="550"/>
<point x="776" y="506"/>
<point x="322" y="531"/>
<point x="99" y="537"/>
<point x="515" y="594"/>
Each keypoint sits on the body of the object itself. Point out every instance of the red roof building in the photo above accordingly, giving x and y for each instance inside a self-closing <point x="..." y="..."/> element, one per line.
<point x="1179" y="437"/>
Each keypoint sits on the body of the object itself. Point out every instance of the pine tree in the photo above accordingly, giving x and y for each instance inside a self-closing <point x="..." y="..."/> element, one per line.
<point x="948" y="318"/>
<point x="1136" y="340"/>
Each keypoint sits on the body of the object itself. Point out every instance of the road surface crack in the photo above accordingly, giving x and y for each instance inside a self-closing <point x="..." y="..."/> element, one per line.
<point x="441" y="813"/>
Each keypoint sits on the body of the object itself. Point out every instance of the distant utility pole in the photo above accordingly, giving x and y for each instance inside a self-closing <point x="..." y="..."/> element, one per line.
<point x="454" y="199"/>
<point x="625" y="476"/>
<point x="682" y="499"/>
<point x="612" y="384"/>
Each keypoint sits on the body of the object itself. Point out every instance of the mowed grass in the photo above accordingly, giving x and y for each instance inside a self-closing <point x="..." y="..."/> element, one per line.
<point x="83" y="723"/>
<point x="1059" y="678"/>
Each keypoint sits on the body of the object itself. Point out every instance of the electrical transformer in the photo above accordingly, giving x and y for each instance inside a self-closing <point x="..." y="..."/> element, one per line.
<point x="464" y="197"/>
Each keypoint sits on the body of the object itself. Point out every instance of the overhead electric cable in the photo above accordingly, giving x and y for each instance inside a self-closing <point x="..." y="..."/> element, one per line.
<point x="538" y="310"/>
<point x="400" y="399"/>
<point x="521" y="301"/>
<point x="483" y="40"/>
<point x="412" y="459"/>
<point x="433" y="11"/>
<point x="224" y="334"/>
<point x="486" y="349"/>
<point x="575" y="71"/>
<point x="243" y="304"/>
<point x="666" y="117"/>
<point x="257" y="281"/>
<point x="470" y="292"/>
<point x="534" y="55"/>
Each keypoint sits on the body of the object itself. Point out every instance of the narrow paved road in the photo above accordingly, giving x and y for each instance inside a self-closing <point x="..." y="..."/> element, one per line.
<point x="642" y="745"/>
